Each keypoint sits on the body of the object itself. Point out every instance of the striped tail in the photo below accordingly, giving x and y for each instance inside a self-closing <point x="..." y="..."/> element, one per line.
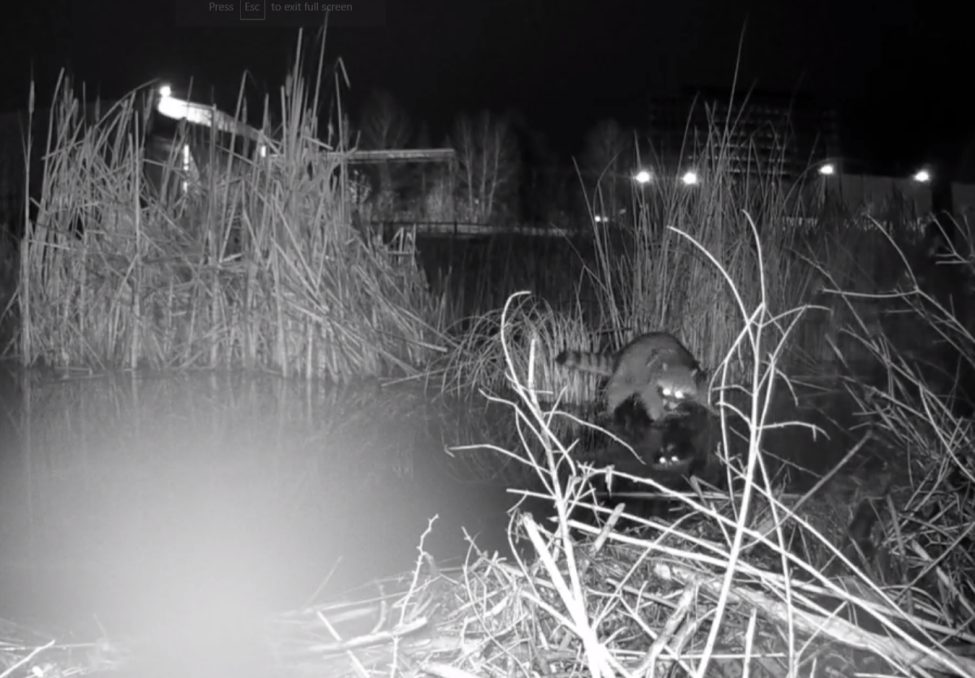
<point x="591" y="363"/>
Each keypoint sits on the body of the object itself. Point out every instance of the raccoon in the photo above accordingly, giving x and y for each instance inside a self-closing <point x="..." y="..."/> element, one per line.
<point x="683" y="443"/>
<point x="656" y="368"/>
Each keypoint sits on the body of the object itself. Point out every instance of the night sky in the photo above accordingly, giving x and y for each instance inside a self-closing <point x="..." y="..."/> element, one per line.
<point x="899" y="73"/>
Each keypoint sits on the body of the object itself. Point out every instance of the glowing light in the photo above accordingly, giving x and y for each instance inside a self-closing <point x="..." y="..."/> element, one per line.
<point x="690" y="178"/>
<point x="187" y="159"/>
<point x="165" y="91"/>
<point x="174" y="108"/>
<point x="827" y="170"/>
<point x="922" y="177"/>
<point x="643" y="177"/>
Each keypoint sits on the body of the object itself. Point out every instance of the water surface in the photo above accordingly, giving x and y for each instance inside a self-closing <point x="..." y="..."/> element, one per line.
<point x="195" y="502"/>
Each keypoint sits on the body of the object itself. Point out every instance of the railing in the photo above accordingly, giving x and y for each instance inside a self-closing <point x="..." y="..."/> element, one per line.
<point x="462" y="230"/>
<point x="458" y="229"/>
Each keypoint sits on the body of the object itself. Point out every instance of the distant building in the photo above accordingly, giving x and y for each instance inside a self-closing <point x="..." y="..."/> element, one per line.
<point x="791" y="129"/>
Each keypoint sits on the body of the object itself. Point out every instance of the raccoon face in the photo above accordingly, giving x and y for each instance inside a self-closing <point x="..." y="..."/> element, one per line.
<point x="673" y="392"/>
<point x="669" y="459"/>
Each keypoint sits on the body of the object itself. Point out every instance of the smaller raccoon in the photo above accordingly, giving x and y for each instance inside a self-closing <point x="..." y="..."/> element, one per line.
<point x="683" y="443"/>
<point x="654" y="367"/>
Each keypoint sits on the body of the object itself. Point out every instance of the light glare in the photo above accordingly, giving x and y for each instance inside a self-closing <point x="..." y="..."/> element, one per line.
<point x="828" y="169"/>
<point x="643" y="177"/>
<point x="922" y="177"/>
<point x="690" y="178"/>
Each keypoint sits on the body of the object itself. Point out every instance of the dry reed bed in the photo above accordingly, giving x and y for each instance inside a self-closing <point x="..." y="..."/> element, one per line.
<point x="843" y="273"/>
<point x="725" y="588"/>
<point x="256" y="265"/>
<point x="617" y="603"/>
<point x="719" y="592"/>
<point x="653" y="278"/>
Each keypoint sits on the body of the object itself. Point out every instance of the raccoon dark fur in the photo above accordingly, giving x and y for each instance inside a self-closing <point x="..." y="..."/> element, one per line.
<point x="656" y="368"/>
<point x="670" y="451"/>
<point x="677" y="442"/>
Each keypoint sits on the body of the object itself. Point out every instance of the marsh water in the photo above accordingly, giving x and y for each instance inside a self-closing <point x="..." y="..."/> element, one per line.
<point x="189" y="508"/>
<point x="173" y="501"/>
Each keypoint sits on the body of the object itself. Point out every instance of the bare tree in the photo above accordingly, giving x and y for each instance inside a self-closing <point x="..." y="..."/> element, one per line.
<point x="488" y="165"/>
<point x="384" y="126"/>
<point x="607" y="163"/>
<point x="544" y="187"/>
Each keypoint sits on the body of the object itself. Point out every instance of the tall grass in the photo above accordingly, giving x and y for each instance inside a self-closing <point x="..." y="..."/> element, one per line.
<point x="747" y="579"/>
<point x="653" y="276"/>
<point x="667" y="284"/>
<point x="736" y="556"/>
<point x="842" y="271"/>
<point x="257" y="265"/>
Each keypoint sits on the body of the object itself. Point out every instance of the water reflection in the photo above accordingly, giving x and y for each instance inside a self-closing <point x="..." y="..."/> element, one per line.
<point x="195" y="501"/>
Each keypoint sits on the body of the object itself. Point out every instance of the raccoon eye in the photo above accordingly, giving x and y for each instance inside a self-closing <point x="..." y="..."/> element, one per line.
<point x="679" y="395"/>
<point x="666" y="391"/>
